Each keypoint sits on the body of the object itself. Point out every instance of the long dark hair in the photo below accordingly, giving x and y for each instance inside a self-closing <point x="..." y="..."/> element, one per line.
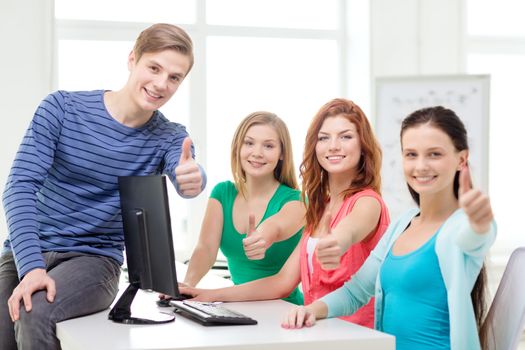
<point x="447" y="121"/>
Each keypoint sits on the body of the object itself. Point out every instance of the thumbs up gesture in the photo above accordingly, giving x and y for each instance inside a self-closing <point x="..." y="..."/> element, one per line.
<point x="328" y="249"/>
<point x="474" y="203"/>
<point x="187" y="172"/>
<point x="254" y="244"/>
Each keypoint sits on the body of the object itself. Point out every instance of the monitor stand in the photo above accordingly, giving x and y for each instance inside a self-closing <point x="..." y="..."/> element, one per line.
<point x="121" y="312"/>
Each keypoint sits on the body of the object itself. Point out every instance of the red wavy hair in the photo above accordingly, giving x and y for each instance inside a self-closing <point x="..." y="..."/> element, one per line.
<point x="315" y="189"/>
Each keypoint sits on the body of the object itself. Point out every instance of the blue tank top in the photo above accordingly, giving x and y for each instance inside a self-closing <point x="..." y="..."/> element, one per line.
<point x="415" y="299"/>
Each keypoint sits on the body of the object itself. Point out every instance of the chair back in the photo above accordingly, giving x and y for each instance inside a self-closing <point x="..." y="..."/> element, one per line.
<point x="506" y="317"/>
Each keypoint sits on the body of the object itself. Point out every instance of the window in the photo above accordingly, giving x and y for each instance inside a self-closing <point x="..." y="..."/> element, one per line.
<point x="289" y="77"/>
<point x="273" y="13"/>
<point x="173" y="11"/>
<point x="249" y="56"/>
<point x="498" y="49"/>
<point x="495" y="18"/>
<point x="76" y="59"/>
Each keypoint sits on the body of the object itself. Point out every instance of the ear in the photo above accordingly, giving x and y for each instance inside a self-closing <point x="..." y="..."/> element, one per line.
<point x="131" y="60"/>
<point x="463" y="159"/>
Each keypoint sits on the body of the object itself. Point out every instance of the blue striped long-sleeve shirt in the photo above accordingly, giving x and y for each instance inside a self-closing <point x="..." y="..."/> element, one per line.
<point x="62" y="192"/>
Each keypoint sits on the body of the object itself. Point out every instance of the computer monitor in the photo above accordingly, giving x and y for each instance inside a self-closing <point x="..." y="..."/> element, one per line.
<point x="148" y="241"/>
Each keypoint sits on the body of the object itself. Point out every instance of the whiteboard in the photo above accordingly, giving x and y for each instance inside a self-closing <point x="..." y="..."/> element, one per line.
<point x="397" y="97"/>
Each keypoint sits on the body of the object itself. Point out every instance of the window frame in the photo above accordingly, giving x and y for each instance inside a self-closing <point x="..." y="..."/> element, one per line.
<point x="344" y="35"/>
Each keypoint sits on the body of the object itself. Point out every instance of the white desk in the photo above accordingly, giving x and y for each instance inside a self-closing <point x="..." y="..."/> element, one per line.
<point x="97" y="332"/>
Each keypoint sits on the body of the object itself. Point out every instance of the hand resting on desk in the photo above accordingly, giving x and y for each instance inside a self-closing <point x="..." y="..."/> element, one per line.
<point x="164" y="300"/>
<point x="199" y="294"/>
<point x="300" y="316"/>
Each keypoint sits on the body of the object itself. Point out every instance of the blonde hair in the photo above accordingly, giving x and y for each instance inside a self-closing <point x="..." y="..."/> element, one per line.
<point x="163" y="36"/>
<point x="284" y="171"/>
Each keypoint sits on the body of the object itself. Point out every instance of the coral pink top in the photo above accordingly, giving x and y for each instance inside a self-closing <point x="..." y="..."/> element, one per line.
<point x="322" y="282"/>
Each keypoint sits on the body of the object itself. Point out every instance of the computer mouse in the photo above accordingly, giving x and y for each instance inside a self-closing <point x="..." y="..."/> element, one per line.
<point x="164" y="302"/>
<point x="185" y="296"/>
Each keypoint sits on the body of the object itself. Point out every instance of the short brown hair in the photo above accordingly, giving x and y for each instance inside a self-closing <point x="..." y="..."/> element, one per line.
<point x="163" y="36"/>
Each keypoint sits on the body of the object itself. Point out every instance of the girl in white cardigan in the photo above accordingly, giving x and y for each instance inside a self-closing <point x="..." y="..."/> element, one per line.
<point x="425" y="271"/>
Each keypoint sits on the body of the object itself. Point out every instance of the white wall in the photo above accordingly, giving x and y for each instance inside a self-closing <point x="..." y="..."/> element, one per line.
<point x="26" y="34"/>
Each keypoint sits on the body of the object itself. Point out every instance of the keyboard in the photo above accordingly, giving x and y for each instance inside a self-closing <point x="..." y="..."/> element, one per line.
<point x="210" y="314"/>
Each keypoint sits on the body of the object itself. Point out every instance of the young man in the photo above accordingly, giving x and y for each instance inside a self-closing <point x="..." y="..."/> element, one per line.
<point x="61" y="259"/>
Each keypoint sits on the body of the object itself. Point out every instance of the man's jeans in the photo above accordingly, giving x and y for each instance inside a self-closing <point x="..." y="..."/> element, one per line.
<point x="84" y="283"/>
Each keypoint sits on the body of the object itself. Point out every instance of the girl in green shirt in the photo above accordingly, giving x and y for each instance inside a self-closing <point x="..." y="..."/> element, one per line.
<point x="256" y="220"/>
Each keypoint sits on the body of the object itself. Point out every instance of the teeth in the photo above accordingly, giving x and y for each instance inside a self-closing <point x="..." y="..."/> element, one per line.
<point x="334" y="157"/>
<point x="152" y="94"/>
<point x="424" y="178"/>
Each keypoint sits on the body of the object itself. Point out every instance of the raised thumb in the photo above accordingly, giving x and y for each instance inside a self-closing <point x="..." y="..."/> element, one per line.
<point x="251" y="224"/>
<point x="465" y="181"/>
<point x="186" y="150"/>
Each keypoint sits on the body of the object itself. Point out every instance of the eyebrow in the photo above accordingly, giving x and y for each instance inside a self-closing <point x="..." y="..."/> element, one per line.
<point x="437" y="148"/>
<point x="339" y="133"/>
<point x="267" y="140"/>
<point x="155" y="63"/>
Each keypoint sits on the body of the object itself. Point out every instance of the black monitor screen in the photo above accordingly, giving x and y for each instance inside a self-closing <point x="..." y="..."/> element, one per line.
<point x="147" y="233"/>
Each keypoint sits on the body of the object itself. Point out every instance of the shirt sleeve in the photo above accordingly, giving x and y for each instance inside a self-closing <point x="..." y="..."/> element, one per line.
<point x="357" y="291"/>
<point x="472" y="243"/>
<point x="30" y="169"/>
<point x="219" y="191"/>
<point x="292" y="195"/>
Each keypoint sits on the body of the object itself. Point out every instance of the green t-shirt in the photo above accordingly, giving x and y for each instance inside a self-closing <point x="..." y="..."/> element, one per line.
<point x="241" y="268"/>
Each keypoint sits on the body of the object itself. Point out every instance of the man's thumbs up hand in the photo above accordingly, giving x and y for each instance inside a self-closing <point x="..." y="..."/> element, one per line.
<point x="187" y="172"/>
<point x="185" y="155"/>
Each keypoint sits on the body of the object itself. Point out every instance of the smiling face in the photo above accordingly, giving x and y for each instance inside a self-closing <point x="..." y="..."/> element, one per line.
<point x="155" y="77"/>
<point x="260" y="151"/>
<point x="430" y="160"/>
<point x="338" y="147"/>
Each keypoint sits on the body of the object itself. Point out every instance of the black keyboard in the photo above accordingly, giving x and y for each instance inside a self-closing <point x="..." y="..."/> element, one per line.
<point x="210" y="314"/>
